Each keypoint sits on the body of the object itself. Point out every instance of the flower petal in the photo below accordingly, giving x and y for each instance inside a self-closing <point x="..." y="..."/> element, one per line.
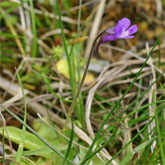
<point x="128" y="37"/>
<point x="133" y="29"/>
<point x="122" y="25"/>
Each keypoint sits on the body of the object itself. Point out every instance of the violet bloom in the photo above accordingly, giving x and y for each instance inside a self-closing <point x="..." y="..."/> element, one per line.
<point x="121" y="30"/>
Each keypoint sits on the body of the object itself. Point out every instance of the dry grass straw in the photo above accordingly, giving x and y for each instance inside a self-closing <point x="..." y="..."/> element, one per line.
<point x="38" y="108"/>
<point x="109" y="76"/>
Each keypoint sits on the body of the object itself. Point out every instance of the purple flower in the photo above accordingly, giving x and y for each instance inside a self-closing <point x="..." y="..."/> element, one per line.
<point x="121" y="30"/>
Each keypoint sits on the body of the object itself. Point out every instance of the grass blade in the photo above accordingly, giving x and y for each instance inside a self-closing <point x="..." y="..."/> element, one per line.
<point x="65" y="45"/>
<point x="3" y="148"/>
<point x="21" y="145"/>
<point x="160" y="139"/>
<point x="34" y="45"/>
<point x="69" y="145"/>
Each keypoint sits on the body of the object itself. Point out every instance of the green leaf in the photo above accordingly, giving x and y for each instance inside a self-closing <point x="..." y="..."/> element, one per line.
<point x="5" y="59"/>
<point x="127" y="158"/>
<point x="143" y="145"/>
<point x="31" y="141"/>
<point x="8" y="4"/>
<point x="8" y="35"/>
<point x="13" y="19"/>
<point x="69" y="145"/>
<point x="39" y="152"/>
<point x="50" y="134"/>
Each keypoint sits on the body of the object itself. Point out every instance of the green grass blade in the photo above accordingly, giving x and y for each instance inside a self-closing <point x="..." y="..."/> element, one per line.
<point x="34" y="44"/>
<point x="65" y="45"/>
<point x="69" y="145"/>
<point x="78" y="44"/>
<point x="21" y="145"/>
<point x="3" y="148"/>
<point x="79" y="106"/>
<point x="160" y="139"/>
<point x="8" y="35"/>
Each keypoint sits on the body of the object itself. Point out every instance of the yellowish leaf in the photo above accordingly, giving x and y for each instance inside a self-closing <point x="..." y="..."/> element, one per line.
<point x="62" y="68"/>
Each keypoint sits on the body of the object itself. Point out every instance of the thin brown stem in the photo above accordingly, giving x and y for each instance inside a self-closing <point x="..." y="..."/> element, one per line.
<point x="82" y="81"/>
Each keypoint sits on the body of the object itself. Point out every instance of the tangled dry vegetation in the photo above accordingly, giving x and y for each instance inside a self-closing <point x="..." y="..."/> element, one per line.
<point x="48" y="91"/>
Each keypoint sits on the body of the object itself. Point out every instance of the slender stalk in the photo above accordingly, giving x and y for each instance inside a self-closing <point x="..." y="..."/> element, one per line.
<point x="160" y="139"/>
<point x="82" y="81"/>
<point x="3" y="149"/>
<point x="21" y="145"/>
<point x="34" y="30"/>
<point x="79" y="107"/>
<point x="65" y="47"/>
